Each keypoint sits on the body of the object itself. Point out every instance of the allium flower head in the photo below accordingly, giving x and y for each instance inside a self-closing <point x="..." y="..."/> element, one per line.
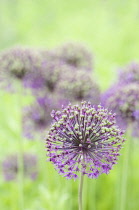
<point x="37" y="118"/>
<point x="78" y="85"/>
<point x="130" y="73"/>
<point x="75" y="55"/>
<point x="15" y="64"/>
<point x="83" y="139"/>
<point x="136" y="114"/>
<point x="46" y="76"/>
<point x="11" y="168"/>
<point x="48" y="55"/>
<point x="51" y="73"/>
<point x="124" y="101"/>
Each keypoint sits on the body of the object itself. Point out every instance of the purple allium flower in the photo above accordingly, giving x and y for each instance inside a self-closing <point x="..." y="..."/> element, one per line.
<point x="51" y="73"/>
<point x="46" y="76"/>
<point x="15" y="64"/>
<point x="11" y="168"/>
<point x="77" y="86"/>
<point x="136" y="114"/>
<point x="124" y="101"/>
<point x="83" y="139"/>
<point x="75" y="55"/>
<point x="129" y="74"/>
<point x="49" y="55"/>
<point x="37" y="118"/>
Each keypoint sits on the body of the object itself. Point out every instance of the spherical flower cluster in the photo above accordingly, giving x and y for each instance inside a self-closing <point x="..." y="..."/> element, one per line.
<point x="47" y="75"/>
<point x="136" y="114"/>
<point x="36" y="117"/>
<point x="51" y="74"/>
<point x="75" y="55"/>
<point x="48" y="55"/>
<point x="129" y="74"/>
<point x="83" y="139"/>
<point x="11" y="168"/>
<point x="77" y="86"/>
<point x="16" y="64"/>
<point x="124" y="101"/>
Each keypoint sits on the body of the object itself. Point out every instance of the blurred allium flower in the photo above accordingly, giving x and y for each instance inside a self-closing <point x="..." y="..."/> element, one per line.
<point x="37" y="118"/>
<point x="136" y="114"/>
<point x="83" y="139"/>
<point x="51" y="73"/>
<point x="78" y="85"/>
<point x="76" y="55"/>
<point x="130" y="73"/>
<point x="124" y="101"/>
<point x="47" y="75"/>
<point x="15" y="64"/>
<point x="48" y="55"/>
<point x="11" y="168"/>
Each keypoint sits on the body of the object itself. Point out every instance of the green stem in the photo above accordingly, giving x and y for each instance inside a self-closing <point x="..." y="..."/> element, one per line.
<point x="21" y="158"/>
<point x="93" y="194"/>
<point x="80" y="191"/>
<point x="125" y="170"/>
<point x="21" y="176"/>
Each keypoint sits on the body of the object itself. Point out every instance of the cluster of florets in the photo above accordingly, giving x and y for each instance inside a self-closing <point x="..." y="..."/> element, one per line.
<point x="37" y="118"/>
<point x="77" y="86"/>
<point x="124" y="101"/>
<point x="83" y="139"/>
<point x="75" y="55"/>
<point x="47" y="74"/>
<point x="16" y="64"/>
<point x="51" y="73"/>
<point x="123" y="98"/>
<point x="129" y="74"/>
<point x="10" y="166"/>
<point x="136" y="114"/>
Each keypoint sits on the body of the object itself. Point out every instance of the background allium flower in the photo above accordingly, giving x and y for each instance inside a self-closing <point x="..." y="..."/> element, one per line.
<point x="15" y="64"/>
<point x="124" y="101"/>
<point x="136" y="114"/>
<point x="83" y="139"/>
<point x="46" y="76"/>
<point x="10" y="166"/>
<point x="75" y="55"/>
<point x="37" y="118"/>
<point x="129" y="74"/>
<point x="49" y="55"/>
<point x="51" y="73"/>
<point x="78" y="85"/>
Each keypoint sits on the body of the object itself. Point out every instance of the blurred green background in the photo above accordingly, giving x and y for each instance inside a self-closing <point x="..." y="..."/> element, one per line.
<point x="110" y="28"/>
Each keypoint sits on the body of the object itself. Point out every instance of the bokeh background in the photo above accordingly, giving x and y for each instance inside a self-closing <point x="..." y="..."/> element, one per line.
<point x="110" y="29"/>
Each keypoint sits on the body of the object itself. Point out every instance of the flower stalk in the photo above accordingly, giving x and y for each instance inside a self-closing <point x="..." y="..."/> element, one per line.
<point x="80" y="191"/>
<point x="125" y="170"/>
